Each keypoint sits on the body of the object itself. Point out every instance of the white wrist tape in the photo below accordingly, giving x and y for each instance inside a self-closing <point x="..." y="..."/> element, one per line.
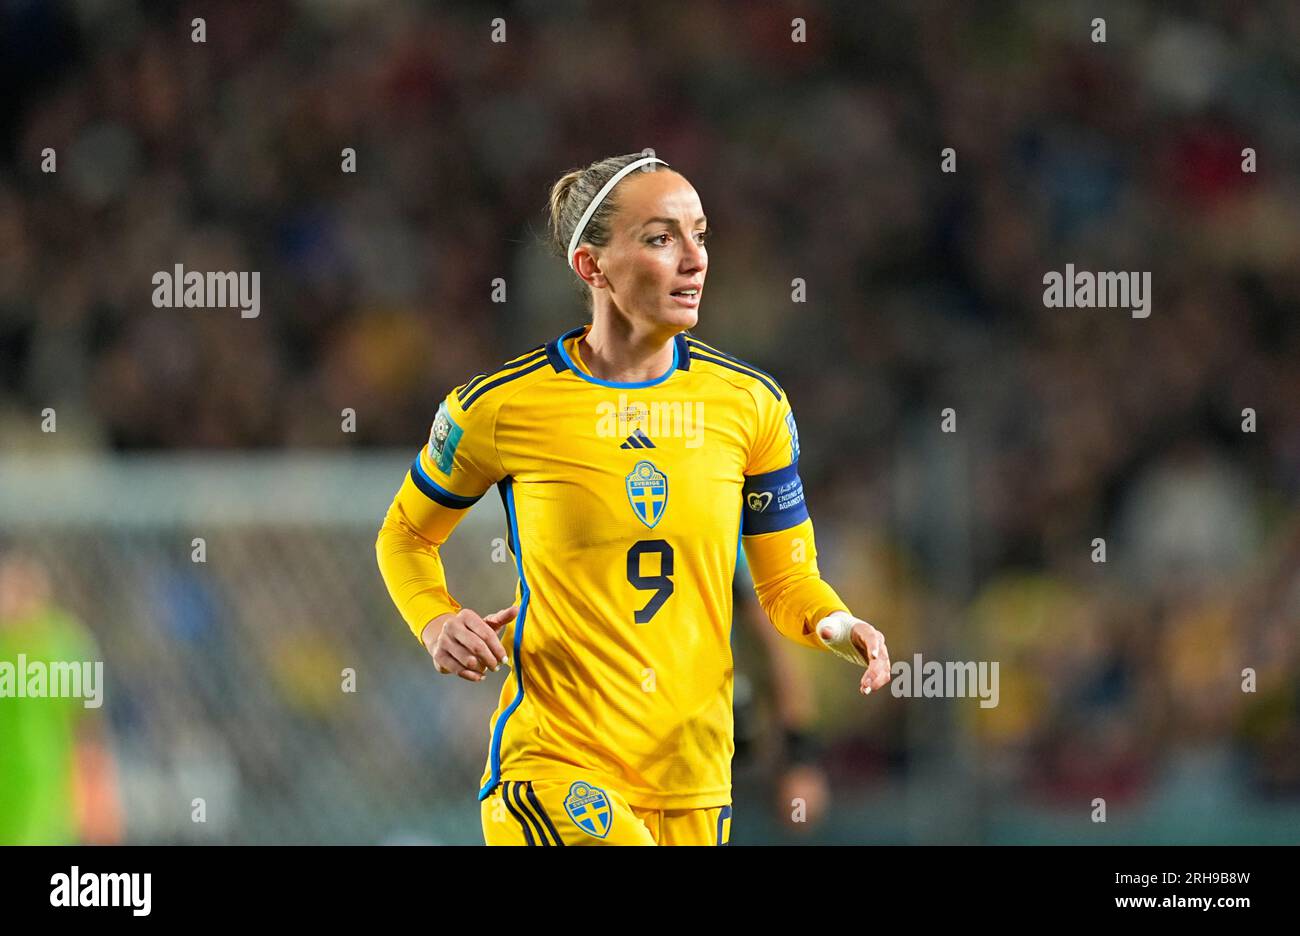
<point x="840" y="642"/>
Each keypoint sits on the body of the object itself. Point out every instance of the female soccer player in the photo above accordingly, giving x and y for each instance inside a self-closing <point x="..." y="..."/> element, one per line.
<point x="630" y="457"/>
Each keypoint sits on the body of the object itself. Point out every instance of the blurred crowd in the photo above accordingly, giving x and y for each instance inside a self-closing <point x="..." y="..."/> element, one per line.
<point x="1174" y="439"/>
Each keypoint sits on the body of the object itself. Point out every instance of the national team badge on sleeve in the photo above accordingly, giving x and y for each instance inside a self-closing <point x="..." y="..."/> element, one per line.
<point x="589" y="808"/>
<point x="647" y="490"/>
<point x="443" y="439"/>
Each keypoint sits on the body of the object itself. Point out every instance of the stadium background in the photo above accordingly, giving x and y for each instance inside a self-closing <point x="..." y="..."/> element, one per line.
<point x="818" y="160"/>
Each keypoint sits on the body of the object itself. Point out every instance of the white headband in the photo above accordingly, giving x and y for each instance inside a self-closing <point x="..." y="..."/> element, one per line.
<point x="600" y="197"/>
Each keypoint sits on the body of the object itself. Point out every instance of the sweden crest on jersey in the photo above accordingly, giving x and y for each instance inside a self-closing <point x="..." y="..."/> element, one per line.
<point x="647" y="490"/>
<point x="588" y="807"/>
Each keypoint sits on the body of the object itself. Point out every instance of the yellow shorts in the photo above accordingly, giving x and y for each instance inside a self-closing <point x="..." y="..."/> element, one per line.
<point x="576" y="812"/>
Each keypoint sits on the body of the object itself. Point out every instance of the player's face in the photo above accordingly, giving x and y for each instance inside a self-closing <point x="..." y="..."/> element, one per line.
<point x="657" y="250"/>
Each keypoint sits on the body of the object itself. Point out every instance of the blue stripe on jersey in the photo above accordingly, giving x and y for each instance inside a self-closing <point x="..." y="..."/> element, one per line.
<point x="537" y="807"/>
<point x="469" y="387"/>
<point x="629" y="385"/>
<point x="515" y="790"/>
<point x="523" y="823"/>
<point x="553" y="355"/>
<point x="738" y="366"/>
<point x="519" y="359"/>
<point x="505" y="507"/>
<point x="435" y="492"/>
<point x="735" y="572"/>
<point x="697" y="345"/>
<point x="773" y="501"/>
<point x="683" y="352"/>
<point x="495" y="753"/>
<point x="723" y="815"/>
<point x="526" y="358"/>
<point x="492" y="384"/>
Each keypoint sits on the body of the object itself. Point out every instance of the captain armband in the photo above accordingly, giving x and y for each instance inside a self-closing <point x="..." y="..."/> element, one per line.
<point x="773" y="501"/>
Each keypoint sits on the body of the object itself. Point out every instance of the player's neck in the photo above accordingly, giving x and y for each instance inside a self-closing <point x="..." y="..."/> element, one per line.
<point x="617" y="353"/>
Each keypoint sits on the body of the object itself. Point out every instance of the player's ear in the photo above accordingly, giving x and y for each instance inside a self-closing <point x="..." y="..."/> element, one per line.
<point x="589" y="267"/>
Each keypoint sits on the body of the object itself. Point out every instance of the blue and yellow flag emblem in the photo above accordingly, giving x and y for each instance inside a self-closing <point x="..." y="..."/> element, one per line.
<point x="647" y="490"/>
<point x="589" y="808"/>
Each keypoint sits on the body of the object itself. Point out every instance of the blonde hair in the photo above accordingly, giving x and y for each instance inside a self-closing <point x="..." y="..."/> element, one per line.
<point x="574" y="191"/>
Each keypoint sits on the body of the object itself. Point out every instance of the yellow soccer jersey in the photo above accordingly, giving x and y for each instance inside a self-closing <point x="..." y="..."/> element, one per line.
<point x="624" y="504"/>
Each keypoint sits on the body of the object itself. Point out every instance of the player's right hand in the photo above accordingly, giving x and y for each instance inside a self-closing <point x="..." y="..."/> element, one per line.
<point x="463" y="643"/>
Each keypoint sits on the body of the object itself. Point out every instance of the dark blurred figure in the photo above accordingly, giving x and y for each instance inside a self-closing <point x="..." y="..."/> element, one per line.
<point x="776" y="731"/>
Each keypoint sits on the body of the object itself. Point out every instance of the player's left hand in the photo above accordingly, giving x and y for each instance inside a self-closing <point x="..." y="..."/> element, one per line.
<point x="856" y="641"/>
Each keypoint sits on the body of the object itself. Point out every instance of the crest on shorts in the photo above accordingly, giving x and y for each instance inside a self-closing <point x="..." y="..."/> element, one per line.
<point x="589" y="808"/>
<point x="443" y="439"/>
<point x="647" y="491"/>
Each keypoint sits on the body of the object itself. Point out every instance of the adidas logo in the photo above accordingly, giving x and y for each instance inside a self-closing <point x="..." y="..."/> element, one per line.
<point x="638" y="440"/>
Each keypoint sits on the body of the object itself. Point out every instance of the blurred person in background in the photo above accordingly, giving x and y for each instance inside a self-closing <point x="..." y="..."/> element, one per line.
<point x="780" y="740"/>
<point x="57" y="783"/>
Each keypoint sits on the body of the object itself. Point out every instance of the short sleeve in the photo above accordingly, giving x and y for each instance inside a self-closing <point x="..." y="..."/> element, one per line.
<point x="773" y="492"/>
<point x="776" y="442"/>
<point x="460" y="461"/>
